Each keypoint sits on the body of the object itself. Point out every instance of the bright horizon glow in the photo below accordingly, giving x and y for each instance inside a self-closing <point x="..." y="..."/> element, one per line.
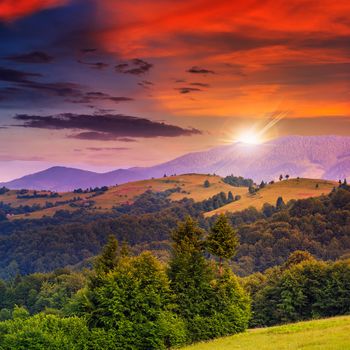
<point x="250" y="138"/>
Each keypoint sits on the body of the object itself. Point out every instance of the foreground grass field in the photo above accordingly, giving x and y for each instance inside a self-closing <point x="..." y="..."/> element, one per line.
<point x="325" y="334"/>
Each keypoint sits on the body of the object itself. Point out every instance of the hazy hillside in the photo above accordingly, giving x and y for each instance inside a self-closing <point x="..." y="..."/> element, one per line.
<point x="191" y="186"/>
<point x="326" y="157"/>
<point x="289" y="189"/>
<point x="314" y="157"/>
<point x="185" y="186"/>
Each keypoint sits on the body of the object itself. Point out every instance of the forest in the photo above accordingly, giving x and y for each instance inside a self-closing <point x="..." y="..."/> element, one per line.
<point x="318" y="225"/>
<point x="129" y="301"/>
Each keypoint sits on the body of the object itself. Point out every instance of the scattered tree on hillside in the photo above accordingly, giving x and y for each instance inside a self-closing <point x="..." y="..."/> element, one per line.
<point x="268" y="209"/>
<point x="252" y="190"/>
<point x="238" y="181"/>
<point x="287" y="176"/>
<point x="230" y="197"/>
<point x="280" y="203"/>
<point x="281" y="177"/>
<point x="206" y="184"/>
<point x="3" y="190"/>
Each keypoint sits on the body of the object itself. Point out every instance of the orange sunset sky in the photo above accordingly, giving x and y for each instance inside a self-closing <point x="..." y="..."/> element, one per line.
<point x="101" y="84"/>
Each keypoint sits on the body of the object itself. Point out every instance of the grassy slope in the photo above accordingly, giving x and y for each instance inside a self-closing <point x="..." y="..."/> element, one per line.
<point x="191" y="185"/>
<point x="288" y="189"/>
<point x="325" y="334"/>
<point x="11" y="198"/>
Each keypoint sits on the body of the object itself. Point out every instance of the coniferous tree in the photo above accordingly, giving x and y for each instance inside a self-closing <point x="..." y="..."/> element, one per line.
<point x="206" y="184"/>
<point x="280" y="203"/>
<point x="252" y="189"/>
<point x="107" y="260"/>
<point x="190" y="274"/>
<point x="230" y="197"/>
<point x="222" y="240"/>
<point x="124" y="249"/>
<point x="210" y="307"/>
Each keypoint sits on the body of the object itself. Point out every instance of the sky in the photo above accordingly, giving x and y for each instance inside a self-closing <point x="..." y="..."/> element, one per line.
<point x="106" y="84"/>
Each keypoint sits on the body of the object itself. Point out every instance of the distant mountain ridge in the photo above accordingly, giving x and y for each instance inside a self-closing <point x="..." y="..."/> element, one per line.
<point x="326" y="157"/>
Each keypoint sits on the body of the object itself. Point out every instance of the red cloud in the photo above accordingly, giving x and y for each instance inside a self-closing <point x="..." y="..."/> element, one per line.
<point x="13" y="9"/>
<point x="170" y="28"/>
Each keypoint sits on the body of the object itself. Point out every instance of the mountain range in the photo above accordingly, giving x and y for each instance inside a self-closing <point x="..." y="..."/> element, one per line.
<point x="326" y="157"/>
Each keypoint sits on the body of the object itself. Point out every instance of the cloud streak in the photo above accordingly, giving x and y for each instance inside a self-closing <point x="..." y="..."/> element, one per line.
<point x="136" y="66"/>
<point x="31" y="57"/>
<point x="14" y="9"/>
<point x="199" y="70"/>
<point x="71" y="92"/>
<point x="187" y="90"/>
<point x="104" y="127"/>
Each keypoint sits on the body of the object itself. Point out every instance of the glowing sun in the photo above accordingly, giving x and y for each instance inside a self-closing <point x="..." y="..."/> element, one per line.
<point x="250" y="138"/>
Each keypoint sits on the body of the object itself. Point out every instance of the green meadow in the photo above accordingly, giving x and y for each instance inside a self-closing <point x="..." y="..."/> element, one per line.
<point x="326" y="334"/>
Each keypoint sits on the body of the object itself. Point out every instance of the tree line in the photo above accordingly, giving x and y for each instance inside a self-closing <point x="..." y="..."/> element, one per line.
<point x="137" y="302"/>
<point x="319" y="225"/>
<point x="133" y="302"/>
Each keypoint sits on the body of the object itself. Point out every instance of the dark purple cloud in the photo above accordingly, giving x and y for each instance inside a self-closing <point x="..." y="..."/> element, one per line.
<point x="93" y="135"/>
<point x="186" y="90"/>
<point x="104" y="127"/>
<point x="16" y="76"/>
<point x="145" y="84"/>
<point x="96" y="96"/>
<point x="200" y="84"/>
<point x="96" y="65"/>
<point x="31" y="57"/>
<point x="71" y="92"/>
<point x="136" y="66"/>
<point x="199" y="70"/>
<point x="88" y="50"/>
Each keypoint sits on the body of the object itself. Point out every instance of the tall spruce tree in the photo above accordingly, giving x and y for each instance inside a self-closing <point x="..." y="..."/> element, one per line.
<point x="222" y="240"/>
<point x="210" y="305"/>
<point x="190" y="275"/>
<point x="107" y="260"/>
